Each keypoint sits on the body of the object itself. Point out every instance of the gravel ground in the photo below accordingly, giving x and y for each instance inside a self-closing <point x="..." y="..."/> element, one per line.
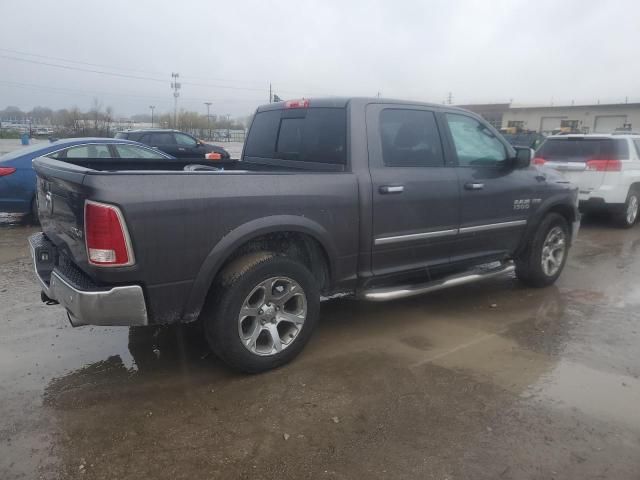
<point x="488" y="381"/>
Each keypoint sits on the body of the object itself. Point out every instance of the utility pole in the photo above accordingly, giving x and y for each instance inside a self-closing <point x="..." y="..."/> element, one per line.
<point x="270" y="93"/>
<point x="176" y="86"/>
<point x="152" y="107"/>
<point x="208" y="104"/>
<point x="228" y="127"/>
<point x="450" y="98"/>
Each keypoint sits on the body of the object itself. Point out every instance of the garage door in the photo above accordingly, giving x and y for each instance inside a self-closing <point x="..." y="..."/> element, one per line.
<point x="549" y="124"/>
<point x="608" y="123"/>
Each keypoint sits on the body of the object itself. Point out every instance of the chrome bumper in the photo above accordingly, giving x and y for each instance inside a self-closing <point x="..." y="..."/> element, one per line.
<point x="122" y="305"/>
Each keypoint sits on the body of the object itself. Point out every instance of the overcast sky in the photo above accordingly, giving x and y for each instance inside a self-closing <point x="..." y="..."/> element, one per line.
<point x="228" y="52"/>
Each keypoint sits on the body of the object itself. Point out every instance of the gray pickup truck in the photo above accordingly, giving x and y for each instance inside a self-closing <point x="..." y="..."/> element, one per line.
<point x="378" y="199"/>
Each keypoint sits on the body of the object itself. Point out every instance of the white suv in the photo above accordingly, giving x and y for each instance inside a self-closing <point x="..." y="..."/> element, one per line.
<point x="606" y="169"/>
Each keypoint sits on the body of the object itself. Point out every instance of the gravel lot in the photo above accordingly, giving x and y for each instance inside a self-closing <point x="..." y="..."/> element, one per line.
<point x="489" y="381"/>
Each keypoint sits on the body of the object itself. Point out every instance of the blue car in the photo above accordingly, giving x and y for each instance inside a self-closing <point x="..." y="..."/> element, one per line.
<point x="18" y="179"/>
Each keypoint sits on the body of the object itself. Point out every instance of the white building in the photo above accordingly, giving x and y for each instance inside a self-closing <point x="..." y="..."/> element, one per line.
<point x="599" y="118"/>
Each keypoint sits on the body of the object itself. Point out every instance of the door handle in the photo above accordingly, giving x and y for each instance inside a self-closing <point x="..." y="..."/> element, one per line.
<point x="474" y="186"/>
<point x="181" y="149"/>
<point x="384" y="189"/>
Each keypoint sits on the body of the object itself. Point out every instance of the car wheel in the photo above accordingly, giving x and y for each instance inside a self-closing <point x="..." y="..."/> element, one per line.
<point x="546" y="255"/>
<point x="628" y="216"/>
<point x="261" y="312"/>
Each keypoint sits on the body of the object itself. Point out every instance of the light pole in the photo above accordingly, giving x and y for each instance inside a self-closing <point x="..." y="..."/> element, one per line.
<point x="152" y="107"/>
<point x="208" y="104"/>
<point x="176" y="86"/>
<point x="228" y="127"/>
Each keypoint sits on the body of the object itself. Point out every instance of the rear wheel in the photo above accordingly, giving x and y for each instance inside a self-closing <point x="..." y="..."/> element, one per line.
<point x="262" y="312"/>
<point x="627" y="217"/>
<point x="544" y="259"/>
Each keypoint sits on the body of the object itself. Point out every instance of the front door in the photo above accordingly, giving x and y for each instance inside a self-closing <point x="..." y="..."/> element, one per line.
<point x="415" y="192"/>
<point x="495" y="197"/>
<point x="188" y="146"/>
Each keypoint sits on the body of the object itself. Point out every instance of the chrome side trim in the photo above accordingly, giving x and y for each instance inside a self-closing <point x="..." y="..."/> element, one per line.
<point x="394" y="293"/>
<point x="415" y="236"/>
<point x="493" y="226"/>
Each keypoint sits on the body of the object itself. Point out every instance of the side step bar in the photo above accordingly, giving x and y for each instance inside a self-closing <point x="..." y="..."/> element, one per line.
<point x="402" y="291"/>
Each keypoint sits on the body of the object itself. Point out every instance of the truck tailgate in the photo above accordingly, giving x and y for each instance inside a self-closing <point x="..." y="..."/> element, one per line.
<point x="60" y="196"/>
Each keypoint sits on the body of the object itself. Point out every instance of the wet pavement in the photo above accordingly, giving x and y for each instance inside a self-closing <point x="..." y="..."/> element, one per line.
<point x="488" y="381"/>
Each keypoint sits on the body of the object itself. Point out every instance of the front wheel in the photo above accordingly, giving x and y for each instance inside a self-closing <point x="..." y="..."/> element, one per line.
<point x="626" y="218"/>
<point x="261" y="312"/>
<point x="544" y="259"/>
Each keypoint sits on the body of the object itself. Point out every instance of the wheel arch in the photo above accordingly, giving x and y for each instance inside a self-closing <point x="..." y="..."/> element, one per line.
<point x="555" y="204"/>
<point x="290" y="235"/>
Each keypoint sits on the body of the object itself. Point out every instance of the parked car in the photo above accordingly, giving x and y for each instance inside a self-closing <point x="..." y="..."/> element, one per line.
<point x="18" y="179"/>
<point x="606" y="168"/>
<point x="179" y="144"/>
<point x="376" y="198"/>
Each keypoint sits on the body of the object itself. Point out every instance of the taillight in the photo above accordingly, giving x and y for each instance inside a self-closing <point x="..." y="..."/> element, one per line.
<point x="539" y="161"/>
<point x="303" y="103"/>
<point x="106" y="236"/>
<point x="4" y="171"/>
<point x="604" y="165"/>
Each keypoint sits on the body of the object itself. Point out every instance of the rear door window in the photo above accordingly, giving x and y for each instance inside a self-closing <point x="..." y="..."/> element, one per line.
<point x="583" y="149"/>
<point x="410" y="138"/>
<point x="162" y="139"/>
<point x="88" y="151"/>
<point x="133" y="151"/>
<point x="307" y="135"/>
<point x="637" y="144"/>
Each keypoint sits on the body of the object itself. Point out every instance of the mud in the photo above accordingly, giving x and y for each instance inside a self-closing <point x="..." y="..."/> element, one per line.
<point x="491" y="380"/>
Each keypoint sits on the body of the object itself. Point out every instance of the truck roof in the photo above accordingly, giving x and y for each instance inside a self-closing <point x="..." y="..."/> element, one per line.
<point x="341" y="102"/>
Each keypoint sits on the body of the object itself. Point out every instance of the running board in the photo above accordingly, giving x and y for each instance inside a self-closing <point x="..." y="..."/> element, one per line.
<point x="402" y="291"/>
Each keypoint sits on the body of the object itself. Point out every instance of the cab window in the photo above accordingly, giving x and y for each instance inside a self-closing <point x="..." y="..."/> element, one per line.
<point x="475" y="144"/>
<point x="410" y="138"/>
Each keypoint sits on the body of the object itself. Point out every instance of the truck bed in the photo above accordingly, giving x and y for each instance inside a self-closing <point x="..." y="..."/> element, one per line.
<point x="175" y="218"/>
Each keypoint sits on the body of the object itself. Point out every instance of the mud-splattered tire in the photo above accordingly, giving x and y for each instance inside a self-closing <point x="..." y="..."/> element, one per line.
<point x="627" y="216"/>
<point x="261" y="312"/>
<point x="544" y="258"/>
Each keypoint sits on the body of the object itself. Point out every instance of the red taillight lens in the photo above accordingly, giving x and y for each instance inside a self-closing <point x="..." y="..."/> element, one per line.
<point x="604" y="165"/>
<point x="539" y="161"/>
<point x="106" y="235"/>
<point x="304" y="103"/>
<point x="4" y="171"/>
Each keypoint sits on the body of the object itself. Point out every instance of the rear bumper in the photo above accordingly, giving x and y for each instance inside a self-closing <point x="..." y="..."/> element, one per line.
<point x="120" y="305"/>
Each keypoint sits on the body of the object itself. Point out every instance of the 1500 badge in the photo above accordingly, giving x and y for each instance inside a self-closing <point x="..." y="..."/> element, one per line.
<point x="523" y="204"/>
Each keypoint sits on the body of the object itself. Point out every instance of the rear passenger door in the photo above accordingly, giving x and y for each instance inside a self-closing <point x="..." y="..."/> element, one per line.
<point x="495" y="198"/>
<point x="415" y="191"/>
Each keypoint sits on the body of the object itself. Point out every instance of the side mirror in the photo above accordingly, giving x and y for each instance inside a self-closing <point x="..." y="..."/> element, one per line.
<point x="523" y="157"/>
